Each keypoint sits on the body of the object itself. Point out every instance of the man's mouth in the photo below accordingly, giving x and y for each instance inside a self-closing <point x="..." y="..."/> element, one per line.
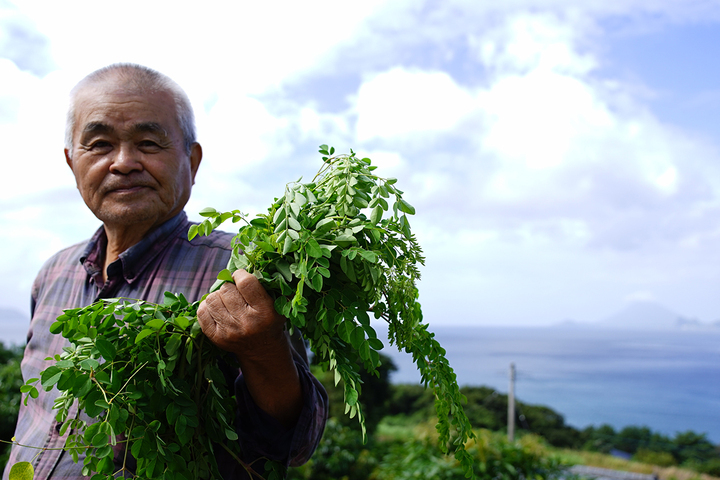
<point x="128" y="189"/>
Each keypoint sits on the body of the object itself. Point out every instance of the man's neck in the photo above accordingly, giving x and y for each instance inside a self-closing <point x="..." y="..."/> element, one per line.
<point x="119" y="240"/>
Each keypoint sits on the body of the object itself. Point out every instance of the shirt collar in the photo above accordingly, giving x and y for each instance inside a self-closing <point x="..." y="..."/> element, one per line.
<point x="135" y="259"/>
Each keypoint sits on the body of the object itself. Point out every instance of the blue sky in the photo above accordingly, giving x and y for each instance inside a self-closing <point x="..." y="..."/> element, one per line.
<point x="563" y="158"/>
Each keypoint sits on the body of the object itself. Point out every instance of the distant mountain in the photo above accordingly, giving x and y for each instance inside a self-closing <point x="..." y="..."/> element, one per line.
<point x="13" y="326"/>
<point x="646" y="315"/>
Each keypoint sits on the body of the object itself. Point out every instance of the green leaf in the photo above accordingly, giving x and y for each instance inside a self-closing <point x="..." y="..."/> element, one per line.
<point x="208" y="212"/>
<point x="91" y="407"/>
<point x="317" y="282"/>
<point x="375" y="344"/>
<point x="324" y="226"/>
<point x="143" y="333"/>
<point x="100" y="440"/>
<point x="299" y="199"/>
<point x="226" y="276"/>
<point x="357" y="337"/>
<point x="313" y="248"/>
<point x="368" y="255"/>
<point x="192" y="231"/>
<point x="173" y="344"/>
<point x="22" y="471"/>
<point x="265" y="246"/>
<point x="50" y="376"/>
<point x="294" y="224"/>
<point x="89" y="364"/>
<point x="155" y="323"/>
<point x="106" y="349"/>
<point x="281" y="226"/>
<point x="345" y="239"/>
<point x="279" y="215"/>
<point x="182" y="322"/>
<point x="284" y="268"/>
<point x="351" y="396"/>
<point x="405" y="207"/>
<point x="376" y="215"/>
<point x="287" y="246"/>
<point x="180" y="425"/>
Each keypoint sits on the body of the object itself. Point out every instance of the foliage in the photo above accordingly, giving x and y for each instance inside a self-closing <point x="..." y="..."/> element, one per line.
<point x="10" y="396"/>
<point x="341" y="454"/>
<point x="374" y="400"/>
<point x="661" y="459"/>
<point x="332" y="252"/>
<point x="495" y="456"/>
<point x="486" y="408"/>
<point x="689" y="449"/>
<point x="152" y="383"/>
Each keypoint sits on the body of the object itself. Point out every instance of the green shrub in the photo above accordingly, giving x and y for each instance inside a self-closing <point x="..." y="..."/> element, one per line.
<point x="661" y="459"/>
<point x="341" y="455"/>
<point x="494" y="456"/>
<point x="10" y="382"/>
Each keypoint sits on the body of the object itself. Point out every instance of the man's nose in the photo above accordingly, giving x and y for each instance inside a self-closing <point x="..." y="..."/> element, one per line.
<point x="127" y="159"/>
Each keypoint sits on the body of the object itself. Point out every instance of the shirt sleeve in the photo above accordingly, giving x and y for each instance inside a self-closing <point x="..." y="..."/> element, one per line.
<point x="261" y="435"/>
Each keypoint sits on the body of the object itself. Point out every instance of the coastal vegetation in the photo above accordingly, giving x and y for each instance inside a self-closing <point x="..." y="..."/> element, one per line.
<point x="402" y="441"/>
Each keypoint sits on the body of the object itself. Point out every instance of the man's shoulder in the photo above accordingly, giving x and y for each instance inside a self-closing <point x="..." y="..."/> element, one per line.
<point x="216" y="239"/>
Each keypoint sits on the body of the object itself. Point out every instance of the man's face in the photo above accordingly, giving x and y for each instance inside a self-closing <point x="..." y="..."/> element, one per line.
<point x="129" y="157"/>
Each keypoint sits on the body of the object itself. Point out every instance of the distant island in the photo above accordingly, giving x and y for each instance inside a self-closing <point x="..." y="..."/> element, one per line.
<point x="644" y="315"/>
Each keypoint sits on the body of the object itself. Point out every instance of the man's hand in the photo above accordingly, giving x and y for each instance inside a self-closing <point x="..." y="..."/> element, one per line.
<point x="241" y="319"/>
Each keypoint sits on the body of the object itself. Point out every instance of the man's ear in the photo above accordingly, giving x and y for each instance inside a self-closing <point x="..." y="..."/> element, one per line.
<point x="68" y="160"/>
<point x="195" y="159"/>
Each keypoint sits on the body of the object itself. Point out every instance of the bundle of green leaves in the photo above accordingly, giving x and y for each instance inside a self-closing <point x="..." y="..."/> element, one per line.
<point x="333" y="252"/>
<point x="149" y="383"/>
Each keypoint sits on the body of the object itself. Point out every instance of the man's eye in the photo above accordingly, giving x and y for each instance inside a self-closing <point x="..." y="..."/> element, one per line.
<point x="100" y="145"/>
<point x="149" y="146"/>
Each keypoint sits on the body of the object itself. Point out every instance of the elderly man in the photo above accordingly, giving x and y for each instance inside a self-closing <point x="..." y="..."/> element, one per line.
<point x="131" y="145"/>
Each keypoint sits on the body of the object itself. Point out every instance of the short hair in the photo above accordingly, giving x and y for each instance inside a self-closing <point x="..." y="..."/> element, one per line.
<point x="144" y="79"/>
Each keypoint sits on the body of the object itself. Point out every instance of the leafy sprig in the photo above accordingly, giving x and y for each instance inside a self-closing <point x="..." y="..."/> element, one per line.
<point x="149" y="383"/>
<point x="334" y="252"/>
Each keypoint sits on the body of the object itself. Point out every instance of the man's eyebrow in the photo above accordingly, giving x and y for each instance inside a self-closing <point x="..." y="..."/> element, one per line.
<point x="92" y="128"/>
<point x="149" y="127"/>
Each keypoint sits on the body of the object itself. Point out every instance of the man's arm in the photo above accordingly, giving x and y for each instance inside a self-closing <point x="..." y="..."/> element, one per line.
<point x="241" y="319"/>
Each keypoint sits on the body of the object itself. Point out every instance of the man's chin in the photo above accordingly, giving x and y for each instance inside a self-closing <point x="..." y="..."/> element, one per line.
<point x="131" y="216"/>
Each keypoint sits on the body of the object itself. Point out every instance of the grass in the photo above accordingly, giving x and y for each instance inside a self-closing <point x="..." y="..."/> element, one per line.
<point x="401" y="427"/>
<point x="601" y="460"/>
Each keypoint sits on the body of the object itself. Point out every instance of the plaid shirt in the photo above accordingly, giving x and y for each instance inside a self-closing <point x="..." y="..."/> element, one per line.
<point x="163" y="261"/>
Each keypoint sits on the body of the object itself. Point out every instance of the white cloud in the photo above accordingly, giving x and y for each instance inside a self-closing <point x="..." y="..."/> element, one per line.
<point x="399" y="102"/>
<point x="34" y="145"/>
<point x="527" y="42"/>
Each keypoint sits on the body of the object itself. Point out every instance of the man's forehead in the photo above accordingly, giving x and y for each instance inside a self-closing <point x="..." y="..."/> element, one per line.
<point x="108" y="103"/>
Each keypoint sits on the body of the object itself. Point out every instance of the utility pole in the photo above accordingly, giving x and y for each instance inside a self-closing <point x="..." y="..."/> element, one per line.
<point x="511" y="405"/>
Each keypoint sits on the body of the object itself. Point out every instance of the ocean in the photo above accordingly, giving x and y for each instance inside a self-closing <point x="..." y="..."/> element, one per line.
<point x="666" y="380"/>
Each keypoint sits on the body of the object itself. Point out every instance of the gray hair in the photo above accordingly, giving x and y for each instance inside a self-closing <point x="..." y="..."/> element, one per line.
<point x="144" y="79"/>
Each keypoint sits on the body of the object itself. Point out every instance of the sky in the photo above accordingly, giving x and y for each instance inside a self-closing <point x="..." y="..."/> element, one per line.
<point x="563" y="157"/>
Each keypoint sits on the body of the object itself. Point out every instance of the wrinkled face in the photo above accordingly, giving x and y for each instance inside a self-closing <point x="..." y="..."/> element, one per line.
<point x="129" y="158"/>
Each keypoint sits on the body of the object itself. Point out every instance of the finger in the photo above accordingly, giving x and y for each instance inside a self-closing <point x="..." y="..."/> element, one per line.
<point x="251" y="290"/>
<point x="217" y="322"/>
<point x="232" y="298"/>
<point x="205" y="317"/>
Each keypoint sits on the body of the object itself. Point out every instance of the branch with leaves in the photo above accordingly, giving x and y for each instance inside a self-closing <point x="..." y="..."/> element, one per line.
<point x="333" y="252"/>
